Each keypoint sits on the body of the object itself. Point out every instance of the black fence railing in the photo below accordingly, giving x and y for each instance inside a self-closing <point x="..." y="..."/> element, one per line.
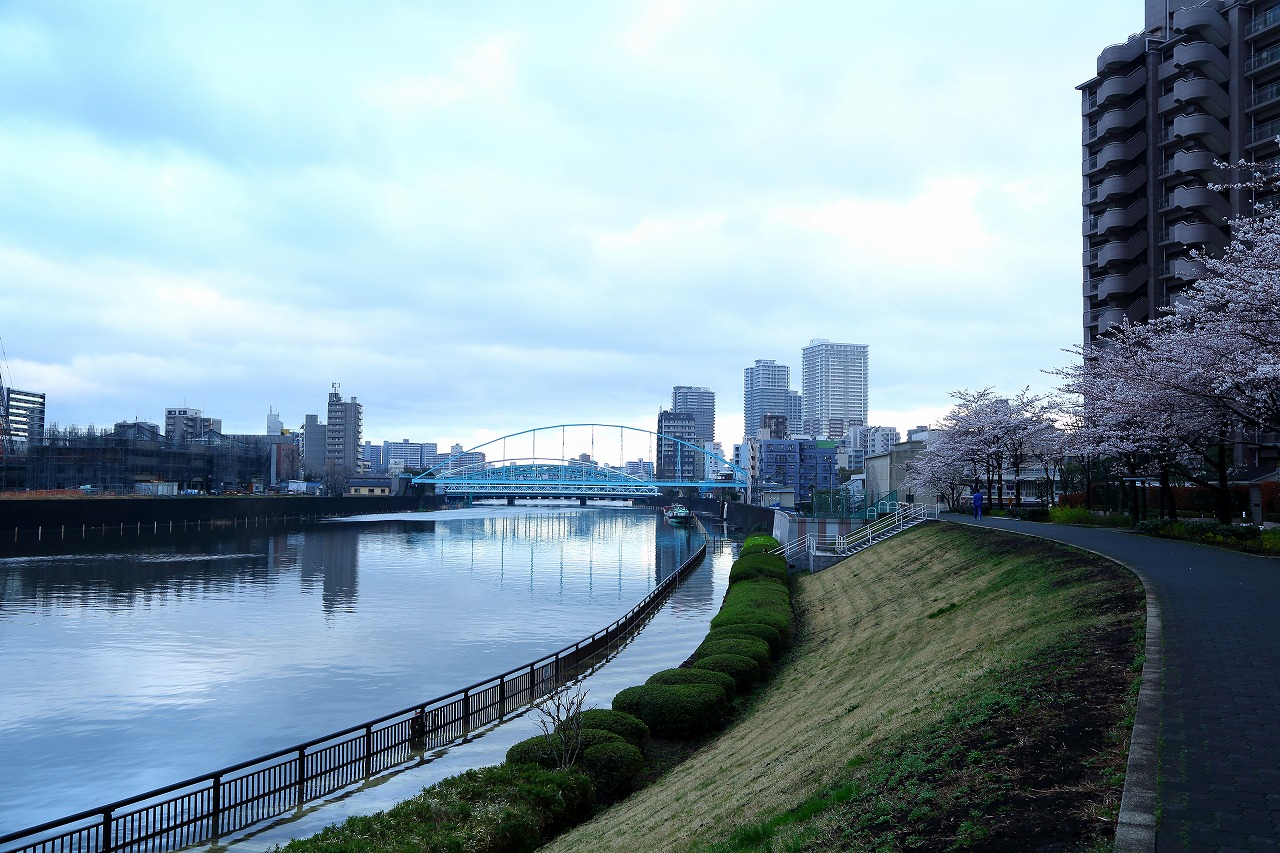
<point x="213" y="807"/>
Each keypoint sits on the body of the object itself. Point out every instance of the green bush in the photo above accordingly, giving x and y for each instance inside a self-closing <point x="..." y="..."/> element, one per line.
<point x="759" y="592"/>
<point x="744" y="670"/>
<point x="505" y="808"/>
<point x="630" y="728"/>
<point x="764" y="632"/>
<point x="779" y="620"/>
<point x="689" y="675"/>
<point x="1080" y="515"/>
<point x="749" y="647"/>
<point x="760" y="539"/>
<point x="1028" y="513"/>
<point x="751" y="566"/>
<point x="676" y="710"/>
<point x="613" y="768"/>
<point x="537" y="750"/>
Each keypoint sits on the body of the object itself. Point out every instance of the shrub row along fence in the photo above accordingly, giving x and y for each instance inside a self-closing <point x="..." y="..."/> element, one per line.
<point x="215" y="806"/>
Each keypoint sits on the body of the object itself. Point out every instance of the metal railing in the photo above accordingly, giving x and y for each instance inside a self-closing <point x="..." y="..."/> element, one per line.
<point x="894" y="517"/>
<point x="207" y="808"/>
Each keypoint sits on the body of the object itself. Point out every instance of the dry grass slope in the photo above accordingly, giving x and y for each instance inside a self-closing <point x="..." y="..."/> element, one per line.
<point x="884" y="640"/>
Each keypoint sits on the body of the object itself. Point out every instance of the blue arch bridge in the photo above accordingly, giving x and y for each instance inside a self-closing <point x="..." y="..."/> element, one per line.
<point x="583" y="461"/>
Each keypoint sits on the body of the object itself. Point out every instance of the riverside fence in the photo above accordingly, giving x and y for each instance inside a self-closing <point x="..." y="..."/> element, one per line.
<point x="213" y="807"/>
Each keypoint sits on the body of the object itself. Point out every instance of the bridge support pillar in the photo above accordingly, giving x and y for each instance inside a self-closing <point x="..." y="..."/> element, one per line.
<point x="511" y="501"/>
<point x="582" y="501"/>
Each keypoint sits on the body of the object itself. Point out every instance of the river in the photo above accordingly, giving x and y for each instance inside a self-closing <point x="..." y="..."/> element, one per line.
<point x="128" y="669"/>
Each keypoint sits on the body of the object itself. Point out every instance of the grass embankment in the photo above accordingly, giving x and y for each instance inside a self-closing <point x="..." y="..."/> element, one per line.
<point x="951" y="687"/>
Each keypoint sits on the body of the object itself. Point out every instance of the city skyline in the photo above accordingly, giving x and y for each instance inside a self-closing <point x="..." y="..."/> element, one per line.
<point x="484" y="220"/>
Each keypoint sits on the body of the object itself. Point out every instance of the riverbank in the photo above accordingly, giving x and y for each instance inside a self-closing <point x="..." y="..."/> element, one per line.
<point x="948" y="687"/>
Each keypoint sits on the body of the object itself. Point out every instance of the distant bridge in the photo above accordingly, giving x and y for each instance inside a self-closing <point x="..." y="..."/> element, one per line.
<point x="646" y="463"/>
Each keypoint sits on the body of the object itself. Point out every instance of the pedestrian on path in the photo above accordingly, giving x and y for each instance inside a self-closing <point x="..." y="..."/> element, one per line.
<point x="977" y="504"/>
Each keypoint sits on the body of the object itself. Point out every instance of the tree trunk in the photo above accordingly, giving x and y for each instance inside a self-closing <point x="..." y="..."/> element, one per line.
<point x="1167" y="503"/>
<point x="1223" y="496"/>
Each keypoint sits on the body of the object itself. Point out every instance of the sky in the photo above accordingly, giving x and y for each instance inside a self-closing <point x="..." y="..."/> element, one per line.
<point x="485" y="218"/>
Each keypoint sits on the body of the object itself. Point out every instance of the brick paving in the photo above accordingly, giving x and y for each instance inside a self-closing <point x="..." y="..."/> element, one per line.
<point x="1218" y="765"/>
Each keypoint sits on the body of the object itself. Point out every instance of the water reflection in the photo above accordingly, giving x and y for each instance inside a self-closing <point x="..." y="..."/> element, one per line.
<point x="125" y="670"/>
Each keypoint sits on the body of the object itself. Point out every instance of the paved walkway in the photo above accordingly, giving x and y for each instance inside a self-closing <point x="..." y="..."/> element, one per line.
<point x="1217" y="701"/>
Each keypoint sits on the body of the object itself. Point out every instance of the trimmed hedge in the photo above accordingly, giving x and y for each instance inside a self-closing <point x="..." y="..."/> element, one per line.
<point x="613" y="768"/>
<point x="678" y="710"/>
<point x="749" y="647"/>
<point x="629" y="728"/>
<point x="760" y="539"/>
<point x="758" y="565"/>
<point x="758" y="590"/>
<point x="744" y="670"/>
<point x="536" y="750"/>
<point x="688" y="675"/>
<point x="764" y="632"/>
<point x="778" y="620"/>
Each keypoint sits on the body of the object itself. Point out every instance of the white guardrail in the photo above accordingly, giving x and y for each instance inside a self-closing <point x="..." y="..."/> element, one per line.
<point x="894" y="518"/>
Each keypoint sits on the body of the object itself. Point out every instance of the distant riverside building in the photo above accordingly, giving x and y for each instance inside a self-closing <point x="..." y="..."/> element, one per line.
<point x="880" y="439"/>
<point x="343" y="431"/>
<point x="766" y="390"/>
<point x="371" y="456"/>
<point x="676" y="459"/>
<point x="800" y="466"/>
<point x="833" y="386"/>
<point x="773" y="426"/>
<point x="21" y="420"/>
<point x="312" y="440"/>
<point x="699" y="402"/>
<point x="1198" y="86"/>
<point x="275" y="426"/>
<point x="186" y="424"/>
<point x="641" y="469"/>
<point x="921" y="434"/>
<point x="408" y="455"/>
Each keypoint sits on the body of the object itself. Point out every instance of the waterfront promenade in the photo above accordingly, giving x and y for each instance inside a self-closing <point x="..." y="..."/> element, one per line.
<point x="1204" y="771"/>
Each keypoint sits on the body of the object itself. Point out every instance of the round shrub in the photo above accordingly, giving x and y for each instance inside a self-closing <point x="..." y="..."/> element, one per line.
<point x="688" y="675"/>
<point x="744" y="670"/>
<point x="759" y="589"/>
<point x="536" y="750"/>
<point x="779" y="620"/>
<point x="613" y="768"/>
<point x="749" y="647"/>
<point x="764" y="632"/>
<point x="751" y="566"/>
<point x="676" y="710"/>
<point x="631" y="729"/>
<point x="760" y="539"/>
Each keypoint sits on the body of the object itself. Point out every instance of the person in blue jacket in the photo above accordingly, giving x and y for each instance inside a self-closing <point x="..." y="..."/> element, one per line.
<point x="977" y="504"/>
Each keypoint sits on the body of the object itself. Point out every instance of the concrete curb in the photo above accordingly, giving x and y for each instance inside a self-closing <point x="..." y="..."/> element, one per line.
<point x="1136" y="824"/>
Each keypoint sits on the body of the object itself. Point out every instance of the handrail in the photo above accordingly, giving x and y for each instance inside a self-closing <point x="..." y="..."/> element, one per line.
<point x="212" y="805"/>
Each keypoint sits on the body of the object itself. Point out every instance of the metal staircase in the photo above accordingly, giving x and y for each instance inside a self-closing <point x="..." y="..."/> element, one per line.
<point x="829" y="550"/>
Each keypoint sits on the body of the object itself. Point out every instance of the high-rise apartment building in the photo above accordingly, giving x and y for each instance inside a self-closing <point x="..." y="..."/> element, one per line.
<point x="185" y="424"/>
<point x="677" y="460"/>
<point x="21" y="420"/>
<point x="1198" y="86"/>
<point x="833" y="385"/>
<point x="312" y="441"/>
<point x="699" y="402"/>
<point x="766" y="390"/>
<point x="343" y="431"/>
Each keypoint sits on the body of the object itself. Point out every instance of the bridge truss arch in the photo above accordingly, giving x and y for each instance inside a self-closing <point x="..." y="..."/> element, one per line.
<point x="521" y="471"/>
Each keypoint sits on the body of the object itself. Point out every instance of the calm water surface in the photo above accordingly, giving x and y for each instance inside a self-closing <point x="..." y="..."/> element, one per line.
<point x="129" y="669"/>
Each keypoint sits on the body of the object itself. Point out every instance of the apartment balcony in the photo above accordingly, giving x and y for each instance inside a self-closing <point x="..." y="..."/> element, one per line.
<point x="1265" y="132"/>
<point x="1115" y="89"/>
<point x="1209" y="203"/>
<point x="1183" y="269"/>
<point x="1116" y="218"/>
<point x="1117" y="251"/>
<point x="1199" y="163"/>
<point x="1116" y="152"/>
<point x="1267" y="22"/>
<point x="1204" y="23"/>
<point x="1204" y="129"/>
<point x="1207" y="96"/>
<point x="1200" y="56"/>
<point x="1116" y="185"/>
<point x="1194" y="234"/>
<point x="1262" y="60"/>
<point x="1116" y="120"/>
<point x="1117" y="284"/>
<point x="1121" y="54"/>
